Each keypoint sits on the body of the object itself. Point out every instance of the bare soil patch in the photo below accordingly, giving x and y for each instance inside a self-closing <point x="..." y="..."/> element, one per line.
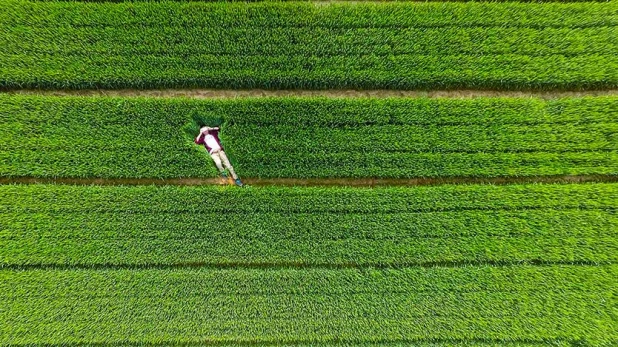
<point x="313" y="182"/>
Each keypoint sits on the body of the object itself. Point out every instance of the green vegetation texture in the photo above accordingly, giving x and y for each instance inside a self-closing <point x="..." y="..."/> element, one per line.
<point x="273" y="226"/>
<point x="522" y="305"/>
<point x="309" y="137"/>
<point x="291" y="45"/>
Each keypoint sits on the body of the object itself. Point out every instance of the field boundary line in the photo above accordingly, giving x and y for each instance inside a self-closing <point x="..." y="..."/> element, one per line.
<point x="316" y="182"/>
<point x="330" y="93"/>
<point x="326" y="2"/>
<point x="332" y="342"/>
<point x="300" y="265"/>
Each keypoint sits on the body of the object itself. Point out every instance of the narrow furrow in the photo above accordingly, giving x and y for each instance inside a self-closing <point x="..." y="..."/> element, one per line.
<point x="312" y="182"/>
<point x="326" y="93"/>
<point x="300" y="266"/>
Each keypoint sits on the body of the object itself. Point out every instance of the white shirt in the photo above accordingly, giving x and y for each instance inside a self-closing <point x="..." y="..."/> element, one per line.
<point x="212" y="143"/>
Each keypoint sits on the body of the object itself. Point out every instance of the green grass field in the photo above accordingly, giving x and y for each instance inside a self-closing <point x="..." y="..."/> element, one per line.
<point x="517" y="263"/>
<point x="58" y="225"/>
<point x="459" y="265"/>
<point x="310" y="137"/>
<point x="504" y="45"/>
<point x="548" y="305"/>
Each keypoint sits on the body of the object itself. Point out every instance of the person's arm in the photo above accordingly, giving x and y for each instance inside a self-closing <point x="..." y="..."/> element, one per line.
<point x="199" y="140"/>
<point x="203" y="129"/>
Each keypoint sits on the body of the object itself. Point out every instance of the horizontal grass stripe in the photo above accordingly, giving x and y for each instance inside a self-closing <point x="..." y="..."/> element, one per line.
<point x="318" y="111"/>
<point x="374" y="342"/>
<point x="410" y="132"/>
<point x="272" y="226"/>
<point x="306" y="200"/>
<point x="106" y="45"/>
<point x="439" y="138"/>
<point x="206" y="282"/>
<point x="311" y="41"/>
<point x="503" y="72"/>
<point x="222" y="309"/>
<point x="317" y="331"/>
<point x="410" y="165"/>
<point x="103" y="163"/>
<point x="309" y="137"/>
<point x="306" y="14"/>
<point x="106" y="164"/>
<point x="387" y="234"/>
<point x="338" y="252"/>
<point x="491" y="304"/>
<point x="473" y="315"/>
<point x="337" y="113"/>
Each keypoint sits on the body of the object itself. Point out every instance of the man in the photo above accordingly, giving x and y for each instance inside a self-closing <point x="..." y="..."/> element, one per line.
<point x="209" y="137"/>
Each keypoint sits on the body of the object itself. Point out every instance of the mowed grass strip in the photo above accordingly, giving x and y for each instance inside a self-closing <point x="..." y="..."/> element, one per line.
<point x="55" y="225"/>
<point x="303" y="45"/>
<point x="509" y="304"/>
<point x="309" y="137"/>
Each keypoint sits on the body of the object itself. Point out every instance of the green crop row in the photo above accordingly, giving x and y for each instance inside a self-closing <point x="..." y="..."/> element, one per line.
<point x="508" y="304"/>
<point x="303" y="45"/>
<point x="74" y="137"/>
<point x="309" y="137"/>
<point x="58" y="225"/>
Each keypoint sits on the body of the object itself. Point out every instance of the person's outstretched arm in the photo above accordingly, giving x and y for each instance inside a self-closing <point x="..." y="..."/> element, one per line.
<point x="199" y="139"/>
<point x="203" y="129"/>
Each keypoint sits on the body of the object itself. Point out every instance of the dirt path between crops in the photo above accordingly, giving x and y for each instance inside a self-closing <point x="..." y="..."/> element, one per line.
<point x="332" y="93"/>
<point x="282" y="265"/>
<point x="313" y="182"/>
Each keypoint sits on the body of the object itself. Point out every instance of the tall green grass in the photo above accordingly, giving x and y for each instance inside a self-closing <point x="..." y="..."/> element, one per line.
<point x="303" y="45"/>
<point x="309" y="137"/>
<point x="470" y="306"/>
<point x="98" y="226"/>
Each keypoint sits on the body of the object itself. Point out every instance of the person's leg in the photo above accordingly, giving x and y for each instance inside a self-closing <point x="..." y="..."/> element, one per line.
<point x="226" y="163"/>
<point x="217" y="159"/>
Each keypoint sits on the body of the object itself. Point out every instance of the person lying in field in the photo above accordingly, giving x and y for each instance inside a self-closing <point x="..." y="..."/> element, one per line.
<point x="209" y="137"/>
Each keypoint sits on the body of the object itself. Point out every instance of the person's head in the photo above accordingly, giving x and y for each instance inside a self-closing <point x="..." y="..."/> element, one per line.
<point x="204" y="130"/>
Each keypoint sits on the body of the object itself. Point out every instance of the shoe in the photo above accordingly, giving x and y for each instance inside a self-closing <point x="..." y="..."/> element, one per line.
<point x="223" y="175"/>
<point x="238" y="182"/>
